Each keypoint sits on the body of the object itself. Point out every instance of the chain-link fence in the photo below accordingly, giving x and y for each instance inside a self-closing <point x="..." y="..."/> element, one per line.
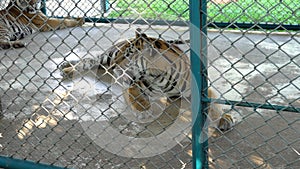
<point x="256" y="74"/>
<point x="259" y="71"/>
<point x="84" y="120"/>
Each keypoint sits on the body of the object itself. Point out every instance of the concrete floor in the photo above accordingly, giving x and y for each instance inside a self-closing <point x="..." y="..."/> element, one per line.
<point x="81" y="123"/>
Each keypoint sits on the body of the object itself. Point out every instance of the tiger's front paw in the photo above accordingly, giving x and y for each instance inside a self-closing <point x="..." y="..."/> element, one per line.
<point x="68" y="68"/>
<point x="226" y="122"/>
<point x="73" y="22"/>
<point x="80" y="21"/>
<point x="136" y="99"/>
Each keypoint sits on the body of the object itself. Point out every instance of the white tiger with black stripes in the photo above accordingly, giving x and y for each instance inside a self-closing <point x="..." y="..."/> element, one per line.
<point x="148" y="66"/>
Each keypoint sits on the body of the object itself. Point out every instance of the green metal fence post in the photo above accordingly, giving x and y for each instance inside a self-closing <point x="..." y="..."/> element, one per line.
<point x="199" y="83"/>
<point x="43" y="9"/>
<point x="104" y="5"/>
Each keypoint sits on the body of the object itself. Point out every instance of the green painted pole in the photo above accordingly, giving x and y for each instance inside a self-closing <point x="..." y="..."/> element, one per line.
<point x="104" y="5"/>
<point x="198" y="32"/>
<point x="44" y="9"/>
<point x="12" y="163"/>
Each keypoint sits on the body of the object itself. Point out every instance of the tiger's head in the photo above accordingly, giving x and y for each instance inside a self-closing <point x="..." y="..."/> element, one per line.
<point x="30" y="6"/>
<point x="140" y="40"/>
<point x="143" y="43"/>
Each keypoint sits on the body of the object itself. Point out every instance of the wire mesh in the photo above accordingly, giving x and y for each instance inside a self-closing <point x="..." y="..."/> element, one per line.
<point x="247" y="67"/>
<point x="84" y="122"/>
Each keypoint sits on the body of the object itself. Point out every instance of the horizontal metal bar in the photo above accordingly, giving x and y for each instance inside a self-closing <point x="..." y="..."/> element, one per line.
<point x="12" y="163"/>
<point x="211" y="25"/>
<point x="267" y="26"/>
<point x="138" y="21"/>
<point x="133" y="21"/>
<point x="253" y="105"/>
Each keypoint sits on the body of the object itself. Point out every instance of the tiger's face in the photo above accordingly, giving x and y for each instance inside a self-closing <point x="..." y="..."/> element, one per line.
<point x="140" y="40"/>
<point x="30" y="6"/>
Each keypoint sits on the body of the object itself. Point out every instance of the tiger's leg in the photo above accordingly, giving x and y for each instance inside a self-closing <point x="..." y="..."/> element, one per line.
<point x="136" y="98"/>
<point x="45" y="23"/>
<point x="56" y="24"/>
<point x="215" y="112"/>
<point x="68" y="68"/>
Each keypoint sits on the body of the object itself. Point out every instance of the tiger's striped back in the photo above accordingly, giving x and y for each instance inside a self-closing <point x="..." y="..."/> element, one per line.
<point x="13" y="27"/>
<point x="16" y="29"/>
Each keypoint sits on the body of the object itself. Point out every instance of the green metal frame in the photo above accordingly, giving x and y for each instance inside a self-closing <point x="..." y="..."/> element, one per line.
<point x="254" y="105"/>
<point x="198" y="53"/>
<point x="13" y="163"/>
<point x="198" y="35"/>
<point x="267" y="26"/>
<point x="44" y="9"/>
<point x="198" y="57"/>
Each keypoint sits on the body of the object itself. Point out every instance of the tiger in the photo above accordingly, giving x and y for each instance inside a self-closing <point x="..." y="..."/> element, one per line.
<point x="148" y="66"/>
<point x="24" y="17"/>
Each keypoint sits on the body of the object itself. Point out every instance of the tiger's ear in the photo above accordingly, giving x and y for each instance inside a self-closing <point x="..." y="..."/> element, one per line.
<point x="22" y="4"/>
<point x="139" y="34"/>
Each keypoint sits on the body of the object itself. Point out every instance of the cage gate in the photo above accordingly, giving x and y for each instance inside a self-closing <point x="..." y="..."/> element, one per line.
<point x="247" y="52"/>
